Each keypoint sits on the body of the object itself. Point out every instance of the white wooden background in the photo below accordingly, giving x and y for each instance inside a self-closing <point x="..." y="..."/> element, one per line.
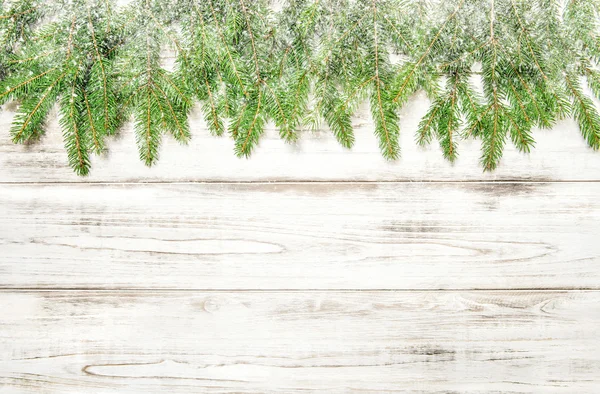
<point x="305" y="269"/>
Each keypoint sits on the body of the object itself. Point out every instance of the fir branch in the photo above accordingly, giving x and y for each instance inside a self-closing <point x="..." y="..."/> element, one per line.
<point x="74" y="136"/>
<point x="407" y="80"/>
<point x="386" y="119"/>
<point x="585" y="113"/>
<point x="32" y="114"/>
<point x="311" y="61"/>
<point x="212" y="117"/>
<point x="494" y="134"/>
<point x="428" y="125"/>
<point x="520" y="133"/>
<point x="109" y="122"/>
<point x="15" y="87"/>
<point x="452" y="122"/>
<point x="250" y="126"/>
<point x="525" y="33"/>
<point x="89" y="122"/>
<point x="231" y="65"/>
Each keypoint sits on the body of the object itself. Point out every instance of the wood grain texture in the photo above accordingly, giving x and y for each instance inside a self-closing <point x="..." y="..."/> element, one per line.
<point x="560" y="154"/>
<point x="288" y="342"/>
<point x="110" y="286"/>
<point x="301" y="236"/>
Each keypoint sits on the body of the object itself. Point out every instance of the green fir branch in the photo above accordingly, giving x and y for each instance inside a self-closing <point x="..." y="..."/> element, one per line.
<point x="309" y="63"/>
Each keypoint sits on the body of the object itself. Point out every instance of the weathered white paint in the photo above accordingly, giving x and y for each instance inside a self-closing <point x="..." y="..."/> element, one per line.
<point x="560" y="154"/>
<point x="298" y="342"/>
<point x="301" y="236"/>
<point x="114" y="287"/>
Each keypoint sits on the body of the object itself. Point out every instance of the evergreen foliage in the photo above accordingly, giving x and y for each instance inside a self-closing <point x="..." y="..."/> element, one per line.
<point x="493" y="69"/>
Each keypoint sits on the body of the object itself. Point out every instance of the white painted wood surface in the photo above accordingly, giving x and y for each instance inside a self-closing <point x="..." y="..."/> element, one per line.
<point x="298" y="342"/>
<point x="306" y="268"/>
<point x="301" y="236"/>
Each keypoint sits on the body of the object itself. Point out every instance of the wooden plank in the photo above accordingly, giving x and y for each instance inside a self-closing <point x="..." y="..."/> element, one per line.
<point x="301" y="236"/>
<point x="289" y="342"/>
<point x="316" y="157"/>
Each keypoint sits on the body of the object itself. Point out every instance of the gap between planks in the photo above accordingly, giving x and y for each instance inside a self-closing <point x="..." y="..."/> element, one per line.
<point x="233" y="290"/>
<point x="307" y="181"/>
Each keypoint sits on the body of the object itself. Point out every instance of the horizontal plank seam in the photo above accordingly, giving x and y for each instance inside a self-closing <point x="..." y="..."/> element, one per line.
<point x="233" y="290"/>
<point x="262" y="182"/>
